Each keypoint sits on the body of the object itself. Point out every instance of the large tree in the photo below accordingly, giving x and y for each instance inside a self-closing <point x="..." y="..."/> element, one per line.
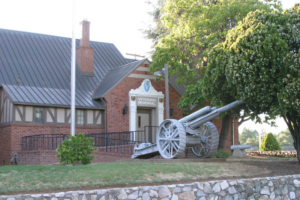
<point x="192" y="28"/>
<point x="157" y="29"/>
<point x="261" y="61"/>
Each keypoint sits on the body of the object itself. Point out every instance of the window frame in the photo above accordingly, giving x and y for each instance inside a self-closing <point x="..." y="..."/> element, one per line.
<point x="82" y="117"/>
<point x="42" y="109"/>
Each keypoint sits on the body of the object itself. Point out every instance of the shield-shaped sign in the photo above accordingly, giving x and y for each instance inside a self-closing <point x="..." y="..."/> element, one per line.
<point x="147" y="86"/>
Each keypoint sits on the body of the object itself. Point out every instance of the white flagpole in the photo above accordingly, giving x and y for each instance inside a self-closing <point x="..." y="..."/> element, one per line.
<point x="73" y="73"/>
<point x="259" y="140"/>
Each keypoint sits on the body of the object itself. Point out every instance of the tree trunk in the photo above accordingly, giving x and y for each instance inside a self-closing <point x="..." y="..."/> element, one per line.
<point x="297" y="146"/>
<point x="294" y="127"/>
<point x="297" y="139"/>
<point x="224" y="131"/>
<point x="298" y="155"/>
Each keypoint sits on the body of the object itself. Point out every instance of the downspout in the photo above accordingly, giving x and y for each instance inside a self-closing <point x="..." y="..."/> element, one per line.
<point x="105" y="129"/>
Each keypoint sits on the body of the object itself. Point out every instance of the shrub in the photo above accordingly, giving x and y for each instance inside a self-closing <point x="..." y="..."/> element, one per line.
<point x="269" y="143"/>
<point x="221" y="153"/>
<point x="75" y="149"/>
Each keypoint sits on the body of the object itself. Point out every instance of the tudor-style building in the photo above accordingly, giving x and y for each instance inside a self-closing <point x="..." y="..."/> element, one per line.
<point x="113" y="93"/>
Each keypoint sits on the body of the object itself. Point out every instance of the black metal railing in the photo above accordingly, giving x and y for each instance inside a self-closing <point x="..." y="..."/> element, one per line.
<point x="116" y="142"/>
<point x="150" y="134"/>
<point x="42" y="142"/>
<point x="119" y="138"/>
<point x="123" y="142"/>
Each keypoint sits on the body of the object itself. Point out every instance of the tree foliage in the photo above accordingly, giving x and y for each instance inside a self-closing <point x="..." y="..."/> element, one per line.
<point x="269" y="143"/>
<point x="158" y="29"/>
<point x="284" y="138"/>
<point x="261" y="63"/>
<point x="193" y="28"/>
<point x="249" y="137"/>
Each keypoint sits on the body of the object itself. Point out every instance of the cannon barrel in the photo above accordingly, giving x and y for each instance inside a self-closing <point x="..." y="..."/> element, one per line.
<point x="196" y="114"/>
<point x="211" y="115"/>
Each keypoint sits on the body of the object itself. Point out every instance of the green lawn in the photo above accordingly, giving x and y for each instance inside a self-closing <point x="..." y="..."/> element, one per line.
<point x="30" y="178"/>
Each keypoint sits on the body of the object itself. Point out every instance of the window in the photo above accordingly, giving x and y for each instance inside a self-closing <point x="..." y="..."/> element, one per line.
<point x="80" y="117"/>
<point x="139" y="122"/>
<point x="39" y="115"/>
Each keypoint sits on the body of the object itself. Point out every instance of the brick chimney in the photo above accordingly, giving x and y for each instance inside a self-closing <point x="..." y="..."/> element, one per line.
<point x="85" y="53"/>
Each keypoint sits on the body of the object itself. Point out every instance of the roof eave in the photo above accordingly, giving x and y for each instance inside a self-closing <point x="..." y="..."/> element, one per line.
<point x="102" y="96"/>
<point x="57" y="106"/>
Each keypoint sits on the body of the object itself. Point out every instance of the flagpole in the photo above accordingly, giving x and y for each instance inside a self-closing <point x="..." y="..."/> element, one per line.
<point x="73" y="72"/>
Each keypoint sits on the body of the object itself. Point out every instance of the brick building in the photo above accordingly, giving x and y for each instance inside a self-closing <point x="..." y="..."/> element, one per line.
<point x="113" y="94"/>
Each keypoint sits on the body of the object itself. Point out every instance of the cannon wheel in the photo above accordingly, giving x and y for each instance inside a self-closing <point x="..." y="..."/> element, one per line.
<point x="171" y="139"/>
<point x="209" y="141"/>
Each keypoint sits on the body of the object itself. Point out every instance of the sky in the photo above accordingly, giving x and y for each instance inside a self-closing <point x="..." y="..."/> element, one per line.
<point x="114" y="21"/>
<point x="289" y="3"/>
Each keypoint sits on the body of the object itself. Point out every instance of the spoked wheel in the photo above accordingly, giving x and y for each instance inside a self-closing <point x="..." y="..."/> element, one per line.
<point x="171" y="139"/>
<point x="209" y="141"/>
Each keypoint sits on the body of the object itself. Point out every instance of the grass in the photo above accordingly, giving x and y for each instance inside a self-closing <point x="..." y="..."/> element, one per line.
<point x="33" y="178"/>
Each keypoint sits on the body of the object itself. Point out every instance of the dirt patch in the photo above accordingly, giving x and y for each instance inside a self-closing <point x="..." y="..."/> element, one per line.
<point x="227" y="169"/>
<point x="173" y="176"/>
<point x="241" y="169"/>
<point x="278" y="168"/>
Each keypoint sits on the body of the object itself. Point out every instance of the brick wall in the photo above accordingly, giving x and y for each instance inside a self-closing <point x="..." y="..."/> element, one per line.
<point x="5" y="144"/>
<point x="38" y="157"/>
<point x="47" y="157"/>
<point x="118" y="97"/>
<point x="10" y="136"/>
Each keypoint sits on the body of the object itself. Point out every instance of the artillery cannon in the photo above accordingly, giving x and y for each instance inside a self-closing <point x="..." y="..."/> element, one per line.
<point x="194" y="131"/>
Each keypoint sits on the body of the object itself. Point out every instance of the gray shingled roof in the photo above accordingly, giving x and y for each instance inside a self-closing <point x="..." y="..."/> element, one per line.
<point x="114" y="77"/>
<point x="43" y="63"/>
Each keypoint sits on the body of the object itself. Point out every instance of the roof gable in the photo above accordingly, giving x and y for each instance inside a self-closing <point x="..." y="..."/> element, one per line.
<point x="114" y="77"/>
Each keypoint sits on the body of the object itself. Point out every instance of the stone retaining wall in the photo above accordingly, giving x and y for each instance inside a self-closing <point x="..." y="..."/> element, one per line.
<point x="278" y="188"/>
<point x="285" y="154"/>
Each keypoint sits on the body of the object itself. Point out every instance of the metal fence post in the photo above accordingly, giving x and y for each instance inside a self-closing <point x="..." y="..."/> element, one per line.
<point x="106" y="143"/>
<point x="43" y="142"/>
<point x="52" y="143"/>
